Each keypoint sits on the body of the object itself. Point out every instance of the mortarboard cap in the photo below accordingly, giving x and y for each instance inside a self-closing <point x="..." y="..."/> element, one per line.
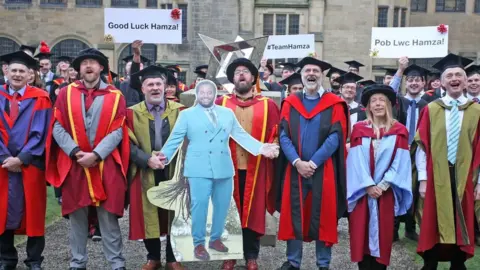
<point x="452" y="61"/>
<point x="354" y="64"/>
<point x="44" y="51"/>
<point x="19" y="57"/>
<point x="200" y="74"/>
<point x="313" y="61"/>
<point x="349" y="77"/>
<point x="367" y="83"/>
<point x="152" y="71"/>
<point x="129" y="58"/>
<point x="28" y="48"/>
<point x="390" y="71"/>
<point x="295" y="78"/>
<point x="63" y="58"/>
<point x="199" y="68"/>
<point x="335" y="70"/>
<point x="288" y="66"/>
<point x="415" y="71"/>
<point x="473" y="69"/>
<point x="113" y="74"/>
<point x="174" y="68"/>
<point x="434" y="75"/>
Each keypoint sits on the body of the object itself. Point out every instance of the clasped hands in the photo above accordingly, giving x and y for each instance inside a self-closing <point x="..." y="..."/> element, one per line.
<point x="157" y="161"/>
<point x="12" y="164"/>
<point x="374" y="192"/>
<point x="270" y="150"/>
<point x="86" y="159"/>
<point x="305" y="168"/>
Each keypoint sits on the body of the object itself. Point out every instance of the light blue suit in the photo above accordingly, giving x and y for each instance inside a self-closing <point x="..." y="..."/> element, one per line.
<point x="208" y="163"/>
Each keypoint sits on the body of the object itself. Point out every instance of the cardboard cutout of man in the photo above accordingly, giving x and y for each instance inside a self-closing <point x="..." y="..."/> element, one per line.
<point x="208" y="164"/>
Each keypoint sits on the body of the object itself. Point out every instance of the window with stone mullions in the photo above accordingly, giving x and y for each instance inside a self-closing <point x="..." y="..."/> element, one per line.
<point x="21" y="2"/>
<point x="477" y="6"/>
<point x="166" y="6"/>
<point x="152" y="3"/>
<point x="124" y="3"/>
<point x="450" y="5"/>
<point x="88" y="3"/>
<point x="281" y="24"/>
<point x="148" y="50"/>
<point x="382" y="20"/>
<point x="7" y="46"/>
<point x="403" y="19"/>
<point x="184" y="9"/>
<point x="67" y="47"/>
<point x="396" y="13"/>
<point x="53" y="2"/>
<point x="418" y="5"/>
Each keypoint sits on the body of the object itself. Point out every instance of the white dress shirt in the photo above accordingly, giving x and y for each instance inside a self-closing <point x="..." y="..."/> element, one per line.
<point x="470" y="97"/>
<point x="353" y="117"/>
<point x="420" y="156"/>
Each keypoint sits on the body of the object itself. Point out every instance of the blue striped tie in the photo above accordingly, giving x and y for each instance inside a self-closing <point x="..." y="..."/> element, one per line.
<point x="454" y="132"/>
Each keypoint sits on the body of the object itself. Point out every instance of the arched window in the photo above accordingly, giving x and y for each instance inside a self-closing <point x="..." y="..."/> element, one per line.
<point x="148" y="50"/>
<point x="66" y="47"/>
<point x="8" y="46"/>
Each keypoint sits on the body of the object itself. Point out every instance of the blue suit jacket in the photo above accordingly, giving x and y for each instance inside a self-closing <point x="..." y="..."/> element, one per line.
<point x="208" y="153"/>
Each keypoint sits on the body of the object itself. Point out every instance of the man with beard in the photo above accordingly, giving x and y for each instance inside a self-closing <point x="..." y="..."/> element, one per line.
<point x="209" y="166"/>
<point x="448" y="161"/>
<point x="313" y="133"/>
<point x="88" y="158"/>
<point x="253" y="180"/>
<point x="46" y="75"/>
<point x="150" y="123"/>
<point x="26" y="113"/>
<point x="333" y="74"/>
<point x="348" y="89"/>
<point x="413" y="104"/>
<point x="473" y="83"/>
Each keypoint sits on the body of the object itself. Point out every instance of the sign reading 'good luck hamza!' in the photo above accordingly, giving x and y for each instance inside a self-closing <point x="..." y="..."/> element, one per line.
<point x="160" y="26"/>
<point x="413" y="42"/>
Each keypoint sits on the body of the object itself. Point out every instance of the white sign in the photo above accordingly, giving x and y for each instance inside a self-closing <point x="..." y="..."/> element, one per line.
<point x="413" y="42"/>
<point x="289" y="46"/>
<point x="126" y="25"/>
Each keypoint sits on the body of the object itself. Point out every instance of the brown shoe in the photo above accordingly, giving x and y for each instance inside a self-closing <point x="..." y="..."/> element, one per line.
<point x="252" y="264"/>
<point x="229" y="265"/>
<point x="218" y="246"/>
<point x="152" y="265"/>
<point x="174" y="266"/>
<point x="201" y="253"/>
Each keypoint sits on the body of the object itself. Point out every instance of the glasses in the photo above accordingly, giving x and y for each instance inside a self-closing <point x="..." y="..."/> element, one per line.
<point x="242" y="71"/>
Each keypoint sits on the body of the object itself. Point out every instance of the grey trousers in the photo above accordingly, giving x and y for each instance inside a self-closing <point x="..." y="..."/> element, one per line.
<point x="111" y="238"/>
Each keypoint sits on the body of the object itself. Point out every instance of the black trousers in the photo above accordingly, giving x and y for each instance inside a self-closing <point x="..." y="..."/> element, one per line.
<point x="409" y="219"/>
<point x="154" y="249"/>
<point x="430" y="257"/>
<point x="8" y="252"/>
<point x="251" y="239"/>
<point x="370" y="263"/>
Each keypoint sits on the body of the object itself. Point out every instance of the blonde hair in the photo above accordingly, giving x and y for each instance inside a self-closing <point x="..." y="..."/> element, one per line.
<point x="389" y="121"/>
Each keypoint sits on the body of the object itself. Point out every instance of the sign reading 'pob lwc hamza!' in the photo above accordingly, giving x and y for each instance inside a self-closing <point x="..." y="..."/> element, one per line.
<point x="413" y="42"/>
<point x="149" y="25"/>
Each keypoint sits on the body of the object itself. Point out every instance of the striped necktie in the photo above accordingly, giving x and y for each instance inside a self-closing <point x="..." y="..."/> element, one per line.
<point x="476" y="100"/>
<point x="453" y="132"/>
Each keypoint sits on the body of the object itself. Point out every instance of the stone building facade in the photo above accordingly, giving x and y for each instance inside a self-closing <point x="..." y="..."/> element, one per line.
<point x="342" y="28"/>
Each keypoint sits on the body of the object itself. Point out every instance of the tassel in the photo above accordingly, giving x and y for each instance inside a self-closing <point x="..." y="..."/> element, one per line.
<point x="110" y="79"/>
<point x="258" y="90"/>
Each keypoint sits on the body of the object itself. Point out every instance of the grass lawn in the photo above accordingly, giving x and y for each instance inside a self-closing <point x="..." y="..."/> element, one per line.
<point x="473" y="263"/>
<point x="53" y="213"/>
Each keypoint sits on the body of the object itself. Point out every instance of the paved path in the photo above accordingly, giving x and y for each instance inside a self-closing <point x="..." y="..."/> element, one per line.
<point x="57" y="253"/>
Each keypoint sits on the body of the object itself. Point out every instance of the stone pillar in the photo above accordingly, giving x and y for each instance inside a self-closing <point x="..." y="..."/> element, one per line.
<point x="247" y="18"/>
<point x="142" y="3"/>
<point x="219" y="21"/>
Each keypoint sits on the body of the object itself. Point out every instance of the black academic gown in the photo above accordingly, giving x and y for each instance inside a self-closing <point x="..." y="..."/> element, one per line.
<point x="432" y="95"/>
<point x="131" y="95"/>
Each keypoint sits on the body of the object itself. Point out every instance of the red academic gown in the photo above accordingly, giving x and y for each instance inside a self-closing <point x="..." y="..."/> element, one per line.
<point x="259" y="189"/>
<point x="28" y="133"/>
<point x="105" y="184"/>
<point x="429" y="234"/>
<point x="315" y="218"/>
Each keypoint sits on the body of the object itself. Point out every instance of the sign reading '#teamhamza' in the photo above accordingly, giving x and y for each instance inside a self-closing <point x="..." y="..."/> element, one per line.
<point x="289" y="46"/>
<point x="125" y="25"/>
<point x="413" y="42"/>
